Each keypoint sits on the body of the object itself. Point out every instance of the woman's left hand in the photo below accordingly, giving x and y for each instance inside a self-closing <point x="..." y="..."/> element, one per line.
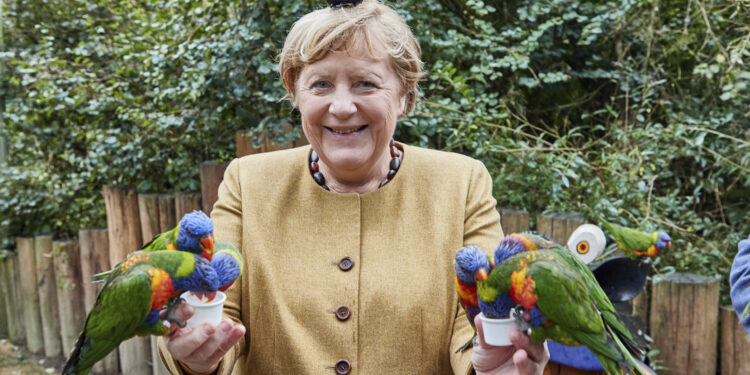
<point x="522" y="358"/>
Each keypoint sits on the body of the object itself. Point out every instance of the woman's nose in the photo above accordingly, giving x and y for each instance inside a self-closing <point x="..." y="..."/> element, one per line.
<point x="342" y="104"/>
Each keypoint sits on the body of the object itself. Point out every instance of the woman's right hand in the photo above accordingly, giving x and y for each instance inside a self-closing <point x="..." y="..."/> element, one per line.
<point x="201" y="348"/>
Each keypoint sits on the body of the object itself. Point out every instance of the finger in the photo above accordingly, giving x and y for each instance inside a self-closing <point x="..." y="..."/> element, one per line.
<point x="535" y="352"/>
<point x="522" y="362"/>
<point x="480" y="331"/>
<point x="211" y="345"/>
<point x="233" y="336"/>
<point x="182" y="345"/>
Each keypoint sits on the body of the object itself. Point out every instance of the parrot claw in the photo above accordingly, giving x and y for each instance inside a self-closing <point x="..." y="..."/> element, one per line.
<point x="518" y="313"/>
<point x="170" y="312"/>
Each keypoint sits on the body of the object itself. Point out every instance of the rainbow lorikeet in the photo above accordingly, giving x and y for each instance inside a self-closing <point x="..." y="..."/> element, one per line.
<point x="227" y="261"/>
<point x="635" y="243"/>
<point x="131" y="299"/>
<point x="533" y="241"/>
<point x="194" y="234"/>
<point x="562" y="297"/>
<point x="471" y="264"/>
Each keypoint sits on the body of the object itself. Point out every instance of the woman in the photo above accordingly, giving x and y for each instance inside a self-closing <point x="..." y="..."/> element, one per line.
<point x="349" y="242"/>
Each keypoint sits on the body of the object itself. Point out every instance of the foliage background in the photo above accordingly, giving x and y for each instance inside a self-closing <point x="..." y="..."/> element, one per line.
<point x="631" y="110"/>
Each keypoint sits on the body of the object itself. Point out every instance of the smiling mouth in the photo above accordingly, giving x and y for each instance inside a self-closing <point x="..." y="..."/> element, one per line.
<point x="346" y="131"/>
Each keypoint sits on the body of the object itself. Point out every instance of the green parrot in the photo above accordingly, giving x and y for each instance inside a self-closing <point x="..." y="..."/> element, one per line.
<point x="194" y="234"/>
<point x="563" y="304"/>
<point x="129" y="303"/>
<point x="635" y="243"/>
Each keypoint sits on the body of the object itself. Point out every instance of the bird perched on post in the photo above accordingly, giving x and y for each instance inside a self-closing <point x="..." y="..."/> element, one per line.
<point x="567" y="311"/>
<point x="471" y="264"/>
<point x="635" y="243"/>
<point x="133" y="295"/>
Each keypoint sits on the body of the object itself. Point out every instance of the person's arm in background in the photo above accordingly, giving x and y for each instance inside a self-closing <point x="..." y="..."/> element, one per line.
<point x="212" y="349"/>
<point x="739" y="281"/>
<point x="482" y="228"/>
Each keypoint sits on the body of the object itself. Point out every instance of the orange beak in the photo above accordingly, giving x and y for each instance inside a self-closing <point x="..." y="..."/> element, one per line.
<point x="481" y="274"/>
<point x="207" y="245"/>
<point x="206" y="297"/>
<point x="669" y="244"/>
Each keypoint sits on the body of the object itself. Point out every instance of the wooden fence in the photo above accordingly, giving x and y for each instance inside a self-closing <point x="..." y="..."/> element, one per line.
<point x="43" y="283"/>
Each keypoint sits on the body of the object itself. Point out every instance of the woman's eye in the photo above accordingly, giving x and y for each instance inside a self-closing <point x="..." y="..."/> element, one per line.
<point x="321" y="85"/>
<point x="366" y="84"/>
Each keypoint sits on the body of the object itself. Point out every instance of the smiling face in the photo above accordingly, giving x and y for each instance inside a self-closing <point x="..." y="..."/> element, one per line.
<point x="349" y="102"/>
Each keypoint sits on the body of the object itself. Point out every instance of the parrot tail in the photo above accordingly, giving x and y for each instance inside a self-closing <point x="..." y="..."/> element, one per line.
<point x="630" y="361"/>
<point x="74" y="359"/>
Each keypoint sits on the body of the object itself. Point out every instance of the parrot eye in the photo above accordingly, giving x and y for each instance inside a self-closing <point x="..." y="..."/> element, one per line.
<point x="583" y="247"/>
<point x="189" y="233"/>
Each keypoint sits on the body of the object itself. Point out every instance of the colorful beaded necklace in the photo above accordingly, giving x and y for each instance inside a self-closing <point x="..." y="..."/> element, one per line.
<point x="321" y="180"/>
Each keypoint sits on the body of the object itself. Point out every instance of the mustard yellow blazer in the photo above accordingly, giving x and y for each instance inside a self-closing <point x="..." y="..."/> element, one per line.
<point x="363" y="283"/>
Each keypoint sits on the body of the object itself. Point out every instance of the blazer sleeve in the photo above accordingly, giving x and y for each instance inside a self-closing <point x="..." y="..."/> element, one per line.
<point x="227" y="218"/>
<point x="739" y="281"/>
<point x="482" y="229"/>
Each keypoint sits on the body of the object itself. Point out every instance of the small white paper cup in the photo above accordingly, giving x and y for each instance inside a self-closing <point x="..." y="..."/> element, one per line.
<point x="497" y="331"/>
<point x="205" y="311"/>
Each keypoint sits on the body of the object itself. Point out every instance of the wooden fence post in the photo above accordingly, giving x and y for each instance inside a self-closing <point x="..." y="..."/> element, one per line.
<point x="513" y="221"/>
<point x="559" y="226"/>
<point x="124" y="232"/>
<point x="8" y="322"/>
<point x="684" y="318"/>
<point x="166" y="212"/>
<point x="148" y="207"/>
<point x="15" y="325"/>
<point x="48" y="308"/>
<point x="15" y="284"/>
<point x="30" y="293"/>
<point x="3" y="313"/>
<point x="148" y="212"/>
<point x="186" y="203"/>
<point x="95" y="259"/>
<point x="735" y="344"/>
<point x="212" y="172"/>
<point x="66" y="259"/>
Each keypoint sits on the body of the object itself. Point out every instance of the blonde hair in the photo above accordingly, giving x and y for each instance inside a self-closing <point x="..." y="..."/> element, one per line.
<point x="339" y="29"/>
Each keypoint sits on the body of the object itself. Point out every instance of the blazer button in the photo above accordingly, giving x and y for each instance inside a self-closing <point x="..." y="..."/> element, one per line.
<point x="343" y="313"/>
<point x="346" y="263"/>
<point x="343" y="367"/>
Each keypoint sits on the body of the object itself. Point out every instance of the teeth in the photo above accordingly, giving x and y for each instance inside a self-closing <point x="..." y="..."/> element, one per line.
<point x="349" y="131"/>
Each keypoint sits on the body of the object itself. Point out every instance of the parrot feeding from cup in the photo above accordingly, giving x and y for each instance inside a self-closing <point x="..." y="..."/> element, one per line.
<point x="563" y="299"/>
<point x="471" y="264"/>
<point x="133" y="295"/>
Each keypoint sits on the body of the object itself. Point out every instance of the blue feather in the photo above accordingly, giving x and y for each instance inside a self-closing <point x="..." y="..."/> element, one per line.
<point x="468" y="261"/>
<point x="193" y="227"/>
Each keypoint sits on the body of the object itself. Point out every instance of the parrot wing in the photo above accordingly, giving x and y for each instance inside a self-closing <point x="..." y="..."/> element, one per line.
<point x="121" y="306"/>
<point x="162" y="241"/>
<point x="628" y="239"/>
<point x="563" y="299"/>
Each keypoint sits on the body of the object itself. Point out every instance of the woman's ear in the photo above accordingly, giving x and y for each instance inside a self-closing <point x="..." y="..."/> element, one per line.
<point x="402" y="105"/>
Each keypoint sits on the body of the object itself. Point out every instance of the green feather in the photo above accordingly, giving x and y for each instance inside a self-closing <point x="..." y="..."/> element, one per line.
<point x="123" y="304"/>
<point x="630" y="240"/>
<point x="568" y="299"/>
